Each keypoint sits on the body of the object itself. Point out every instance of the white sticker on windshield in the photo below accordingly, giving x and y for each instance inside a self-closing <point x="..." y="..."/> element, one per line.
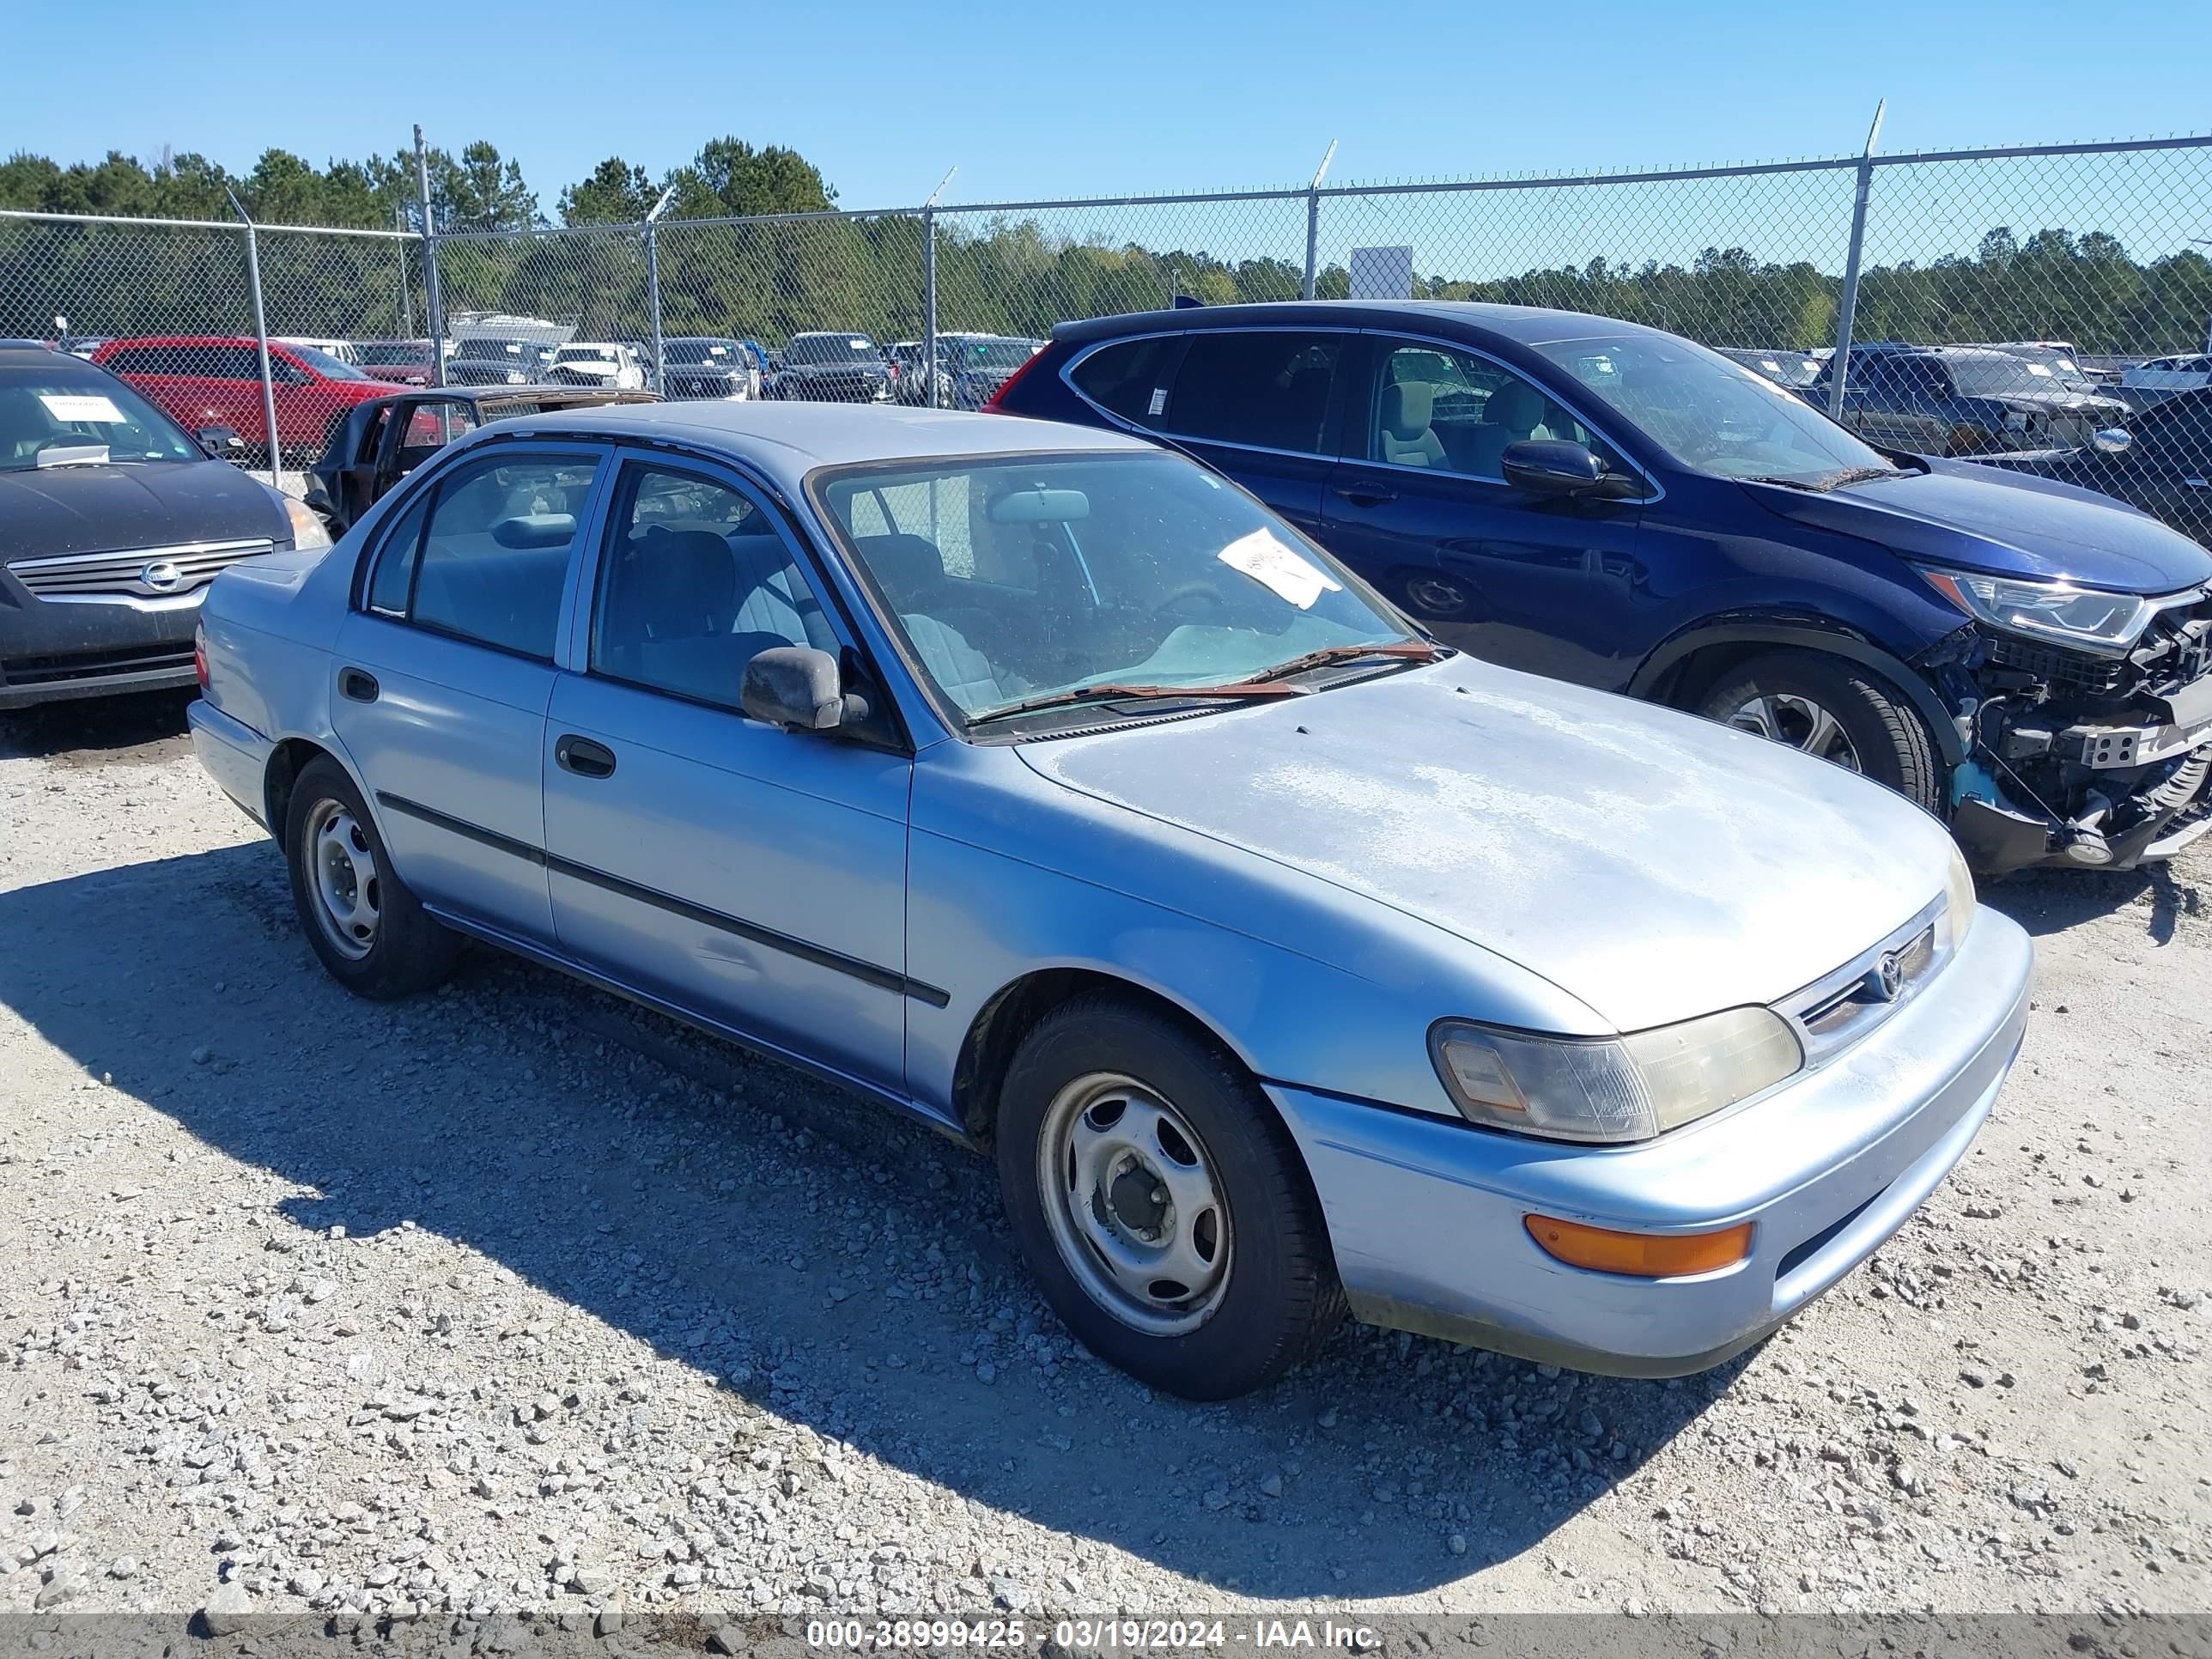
<point x="2042" y="370"/>
<point x="1159" y="401"/>
<point x="82" y="406"/>
<point x="1263" y="557"/>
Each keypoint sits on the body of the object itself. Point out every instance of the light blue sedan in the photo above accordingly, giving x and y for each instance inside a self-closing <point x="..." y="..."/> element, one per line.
<point x="1041" y="785"/>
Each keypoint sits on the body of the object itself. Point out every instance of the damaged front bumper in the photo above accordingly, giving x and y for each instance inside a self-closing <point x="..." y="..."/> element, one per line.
<point x="2078" y="759"/>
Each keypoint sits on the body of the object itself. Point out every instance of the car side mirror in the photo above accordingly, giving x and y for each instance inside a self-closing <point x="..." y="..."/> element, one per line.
<point x="1553" y="466"/>
<point x="2112" y="441"/>
<point x="220" y="443"/>
<point x="799" y="688"/>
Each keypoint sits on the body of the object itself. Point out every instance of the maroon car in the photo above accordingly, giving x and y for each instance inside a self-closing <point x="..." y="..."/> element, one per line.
<point x="201" y="380"/>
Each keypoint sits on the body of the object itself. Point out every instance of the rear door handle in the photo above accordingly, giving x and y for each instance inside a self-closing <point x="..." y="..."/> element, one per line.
<point x="584" y="757"/>
<point x="357" y="685"/>
<point x="1366" y="492"/>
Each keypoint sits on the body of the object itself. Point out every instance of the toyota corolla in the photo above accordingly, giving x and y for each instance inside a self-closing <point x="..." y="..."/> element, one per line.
<point x="1041" y="785"/>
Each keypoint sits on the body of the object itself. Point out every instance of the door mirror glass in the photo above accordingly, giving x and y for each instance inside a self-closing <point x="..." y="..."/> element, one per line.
<point x="794" y="686"/>
<point x="222" y="443"/>
<point x="1553" y="466"/>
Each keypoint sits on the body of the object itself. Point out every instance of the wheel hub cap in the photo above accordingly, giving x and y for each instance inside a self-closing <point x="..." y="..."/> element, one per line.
<point x="341" y="871"/>
<point x="1786" y="717"/>
<point x="1134" y="1206"/>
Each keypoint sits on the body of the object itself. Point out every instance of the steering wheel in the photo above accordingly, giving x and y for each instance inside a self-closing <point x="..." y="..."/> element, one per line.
<point x="1197" y="587"/>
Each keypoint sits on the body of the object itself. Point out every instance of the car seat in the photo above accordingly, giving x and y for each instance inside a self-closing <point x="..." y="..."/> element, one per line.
<point x="1408" y="437"/>
<point x="1512" y="413"/>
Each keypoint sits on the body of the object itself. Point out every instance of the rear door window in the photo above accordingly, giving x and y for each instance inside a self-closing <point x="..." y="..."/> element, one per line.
<point x="1267" y="388"/>
<point x="492" y="559"/>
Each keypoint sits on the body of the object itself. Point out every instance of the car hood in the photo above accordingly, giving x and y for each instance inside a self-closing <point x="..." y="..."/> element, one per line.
<point x="2008" y="523"/>
<point x="1654" y="866"/>
<point x="861" y="365"/>
<point x="98" y="509"/>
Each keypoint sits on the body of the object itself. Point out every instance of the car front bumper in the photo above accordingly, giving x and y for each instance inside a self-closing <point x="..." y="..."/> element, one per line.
<point x="1426" y="1214"/>
<point x="50" y="652"/>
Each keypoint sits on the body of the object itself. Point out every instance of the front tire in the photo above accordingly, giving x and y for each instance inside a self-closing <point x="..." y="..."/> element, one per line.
<point x="1161" y="1205"/>
<point x="369" y="929"/>
<point x="1837" y="710"/>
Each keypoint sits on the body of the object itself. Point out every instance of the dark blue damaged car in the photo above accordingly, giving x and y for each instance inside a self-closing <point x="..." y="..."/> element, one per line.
<point x="1613" y="505"/>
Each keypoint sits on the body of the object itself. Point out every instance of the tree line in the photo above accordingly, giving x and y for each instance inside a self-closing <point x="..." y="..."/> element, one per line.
<point x="1004" y="274"/>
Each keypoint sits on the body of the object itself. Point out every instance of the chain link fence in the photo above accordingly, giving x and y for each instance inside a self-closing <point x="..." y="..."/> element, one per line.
<point x="2086" y="264"/>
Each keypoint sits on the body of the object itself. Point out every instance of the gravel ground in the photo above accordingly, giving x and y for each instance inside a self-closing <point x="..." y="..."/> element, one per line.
<point x="515" y="1298"/>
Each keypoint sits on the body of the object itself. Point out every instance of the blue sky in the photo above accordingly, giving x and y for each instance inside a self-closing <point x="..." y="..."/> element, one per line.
<point x="1045" y="98"/>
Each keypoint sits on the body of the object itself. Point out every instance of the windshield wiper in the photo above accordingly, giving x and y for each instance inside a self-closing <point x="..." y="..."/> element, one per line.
<point x="1079" y="694"/>
<point x="1412" y="650"/>
<point x="1828" y="480"/>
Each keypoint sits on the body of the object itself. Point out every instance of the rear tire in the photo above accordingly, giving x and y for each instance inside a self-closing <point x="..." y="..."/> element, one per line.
<point x="1837" y="710"/>
<point x="369" y="929"/>
<point x="1160" y="1204"/>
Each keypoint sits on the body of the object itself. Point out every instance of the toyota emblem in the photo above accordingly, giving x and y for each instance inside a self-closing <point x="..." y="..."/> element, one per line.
<point x="1889" y="976"/>
<point x="161" y="576"/>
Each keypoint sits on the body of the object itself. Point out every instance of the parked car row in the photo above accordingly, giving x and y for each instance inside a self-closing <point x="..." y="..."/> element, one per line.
<point x="1192" y="783"/>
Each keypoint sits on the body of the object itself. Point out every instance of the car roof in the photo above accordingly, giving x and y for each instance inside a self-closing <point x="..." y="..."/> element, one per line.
<point x="787" y="441"/>
<point x="1524" y="324"/>
<point x="45" y="361"/>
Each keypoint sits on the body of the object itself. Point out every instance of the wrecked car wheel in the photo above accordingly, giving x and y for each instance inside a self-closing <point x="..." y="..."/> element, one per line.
<point x="1836" y="710"/>
<point x="1161" y="1205"/>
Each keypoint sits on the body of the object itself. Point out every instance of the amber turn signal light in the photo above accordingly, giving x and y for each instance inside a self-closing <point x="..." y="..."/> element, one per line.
<point x="1639" y="1255"/>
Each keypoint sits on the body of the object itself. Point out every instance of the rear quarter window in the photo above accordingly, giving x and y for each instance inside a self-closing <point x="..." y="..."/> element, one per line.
<point x="1130" y="378"/>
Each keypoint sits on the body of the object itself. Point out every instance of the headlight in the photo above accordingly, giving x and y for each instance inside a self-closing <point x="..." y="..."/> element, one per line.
<point x="308" y="529"/>
<point x="2108" y="624"/>
<point x="1612" y="1089"/>
<point x="1959" y="900"/>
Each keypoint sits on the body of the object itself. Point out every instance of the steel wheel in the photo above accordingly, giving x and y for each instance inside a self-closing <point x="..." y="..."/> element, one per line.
<point x="1134" y="1203"/>
<point x="1786" y="717"/>
<point x="342" y="877"/>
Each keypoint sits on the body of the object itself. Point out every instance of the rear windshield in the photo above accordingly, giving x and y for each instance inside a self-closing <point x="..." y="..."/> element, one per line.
<point x="52" y="417"/>
<point x="995" y="354"/>
<point x="496" y="349"/>
<point x="383" y="353"/>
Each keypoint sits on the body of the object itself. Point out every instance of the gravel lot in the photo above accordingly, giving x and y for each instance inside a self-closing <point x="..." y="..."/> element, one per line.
<point x="515" y="1298"/>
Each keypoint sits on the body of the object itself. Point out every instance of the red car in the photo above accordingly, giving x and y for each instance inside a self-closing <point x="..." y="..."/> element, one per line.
<point x="202" y="380"/>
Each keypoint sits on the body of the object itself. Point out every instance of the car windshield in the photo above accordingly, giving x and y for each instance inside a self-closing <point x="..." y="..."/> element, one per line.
<point x="329" y="368"/>
<point x="696" y="351"/>
<point x="1999" y="374"/>
<point x="829" y="348"/>
<point x="586" y="354"/>
<point x="383" y="354"/>
<point x="1014" y="578"/>
<point x="480" y="350"/>
<point x="995" y="354"/>
<point x="50" y="418"/>
<point x="1708" y="413"/>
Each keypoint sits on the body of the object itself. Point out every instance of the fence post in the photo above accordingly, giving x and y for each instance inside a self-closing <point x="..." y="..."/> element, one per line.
<point x="1313" y="223"/>
<point x="1841" y="367"/>
<point x="929" y="300"/>
<point x="929" y="286"/>
<point x="653" y="286"/>
<point x="433" y="303"/>
<point x="407" y="294"/>
<point x="270" y="442"/>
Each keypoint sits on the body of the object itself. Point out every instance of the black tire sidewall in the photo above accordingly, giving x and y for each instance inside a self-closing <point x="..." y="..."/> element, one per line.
<point x="411" y="949"/>
<point x="1276" y="1307"/>
<point x="1894" y="747"/>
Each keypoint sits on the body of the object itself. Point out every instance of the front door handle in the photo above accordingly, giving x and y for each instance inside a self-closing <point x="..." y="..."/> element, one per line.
<point x="584" y="757"/>
<point x="357" y="685"/>
<point x="1367" y="492"/>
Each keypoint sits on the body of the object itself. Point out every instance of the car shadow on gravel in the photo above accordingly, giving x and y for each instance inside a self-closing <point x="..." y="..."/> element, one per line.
<point x="812" y="1258"/>
<point x="2174" y="898"/>
<point x="140" y="729"/>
